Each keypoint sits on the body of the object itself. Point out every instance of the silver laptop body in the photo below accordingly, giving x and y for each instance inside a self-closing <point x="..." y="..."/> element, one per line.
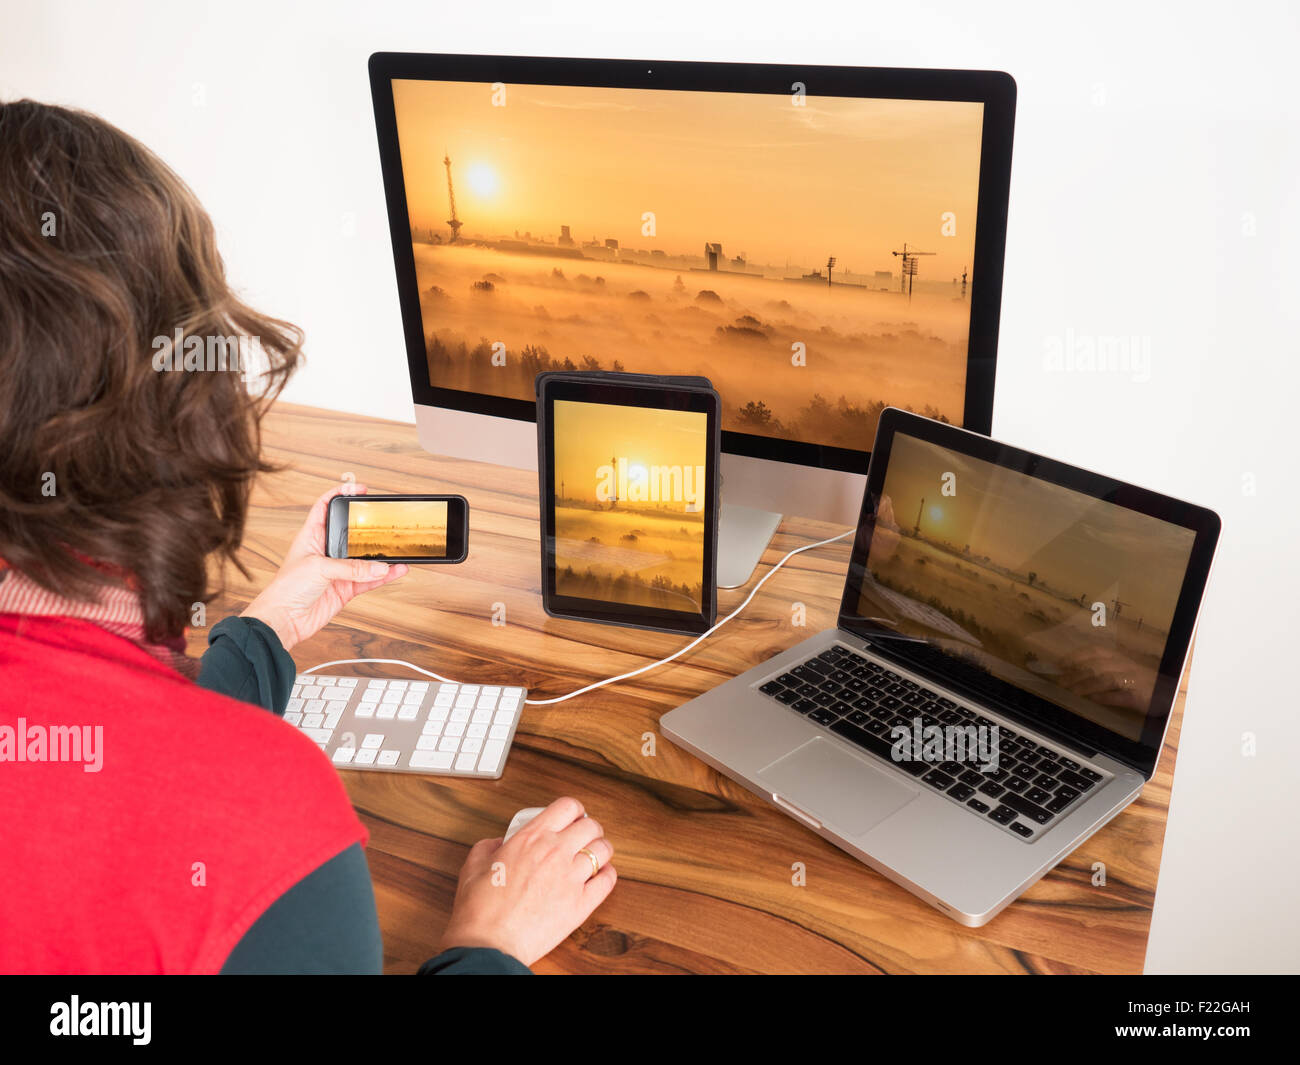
<point x="939" y="837"/>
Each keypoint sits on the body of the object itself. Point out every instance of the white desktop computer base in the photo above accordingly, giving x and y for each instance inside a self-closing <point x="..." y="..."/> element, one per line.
<point x="743" y="536"/>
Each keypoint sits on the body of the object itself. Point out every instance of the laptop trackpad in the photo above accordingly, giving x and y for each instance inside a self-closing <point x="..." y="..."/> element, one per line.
<point x="836" y="787"/>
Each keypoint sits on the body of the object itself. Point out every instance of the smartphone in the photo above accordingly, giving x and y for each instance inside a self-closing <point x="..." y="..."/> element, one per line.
<point x="418" y="529"/>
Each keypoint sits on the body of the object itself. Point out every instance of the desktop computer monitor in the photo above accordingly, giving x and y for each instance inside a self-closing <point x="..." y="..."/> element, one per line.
<point x="819" y="242"/>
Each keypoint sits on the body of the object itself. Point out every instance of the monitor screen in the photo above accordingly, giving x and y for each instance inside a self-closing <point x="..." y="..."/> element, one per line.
<point x="813" y="256"/>
<point x="1061" y="594"/>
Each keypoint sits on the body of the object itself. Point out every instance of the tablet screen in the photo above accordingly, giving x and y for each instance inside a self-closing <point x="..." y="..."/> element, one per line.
<point x="629" y="504"/>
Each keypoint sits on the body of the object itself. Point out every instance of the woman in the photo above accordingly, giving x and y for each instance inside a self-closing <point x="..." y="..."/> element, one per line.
<point x="157" y="817"/>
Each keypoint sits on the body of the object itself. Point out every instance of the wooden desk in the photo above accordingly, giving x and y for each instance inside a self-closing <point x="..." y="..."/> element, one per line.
<point x="704" y="866"/>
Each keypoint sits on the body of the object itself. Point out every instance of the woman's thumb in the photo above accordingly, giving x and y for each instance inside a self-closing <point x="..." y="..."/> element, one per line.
<point x="352" y="569"/>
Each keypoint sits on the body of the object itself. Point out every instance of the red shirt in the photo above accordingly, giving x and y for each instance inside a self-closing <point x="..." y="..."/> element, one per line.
<point x="201" y="813"/>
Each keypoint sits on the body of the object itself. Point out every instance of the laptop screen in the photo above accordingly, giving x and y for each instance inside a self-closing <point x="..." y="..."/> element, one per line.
<point x="1067" y="594"/>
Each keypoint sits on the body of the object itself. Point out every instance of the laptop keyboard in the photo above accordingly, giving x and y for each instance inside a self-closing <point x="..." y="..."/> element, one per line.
<point x="862" y="701"/>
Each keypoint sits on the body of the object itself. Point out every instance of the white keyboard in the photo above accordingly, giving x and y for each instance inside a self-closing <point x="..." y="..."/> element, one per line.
<point x="403" y="726"/>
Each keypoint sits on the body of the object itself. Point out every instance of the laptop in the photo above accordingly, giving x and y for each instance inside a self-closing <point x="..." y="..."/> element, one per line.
<point x="998" y="684"/>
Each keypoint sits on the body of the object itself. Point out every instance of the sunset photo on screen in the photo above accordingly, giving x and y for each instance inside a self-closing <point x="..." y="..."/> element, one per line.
<point x="813" y="261"/>
<point x="388" y="528"/>
<point x="630" y="504"/>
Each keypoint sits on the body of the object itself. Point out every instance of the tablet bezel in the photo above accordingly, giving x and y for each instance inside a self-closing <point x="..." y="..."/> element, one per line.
<point x="701" y="399"/>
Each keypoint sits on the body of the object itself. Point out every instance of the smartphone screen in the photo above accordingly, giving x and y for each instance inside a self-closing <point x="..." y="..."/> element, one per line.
<point x="398" y="528"/>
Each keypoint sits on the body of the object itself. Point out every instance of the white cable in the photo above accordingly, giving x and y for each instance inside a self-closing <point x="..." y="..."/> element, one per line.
<point x="621" y="676"/>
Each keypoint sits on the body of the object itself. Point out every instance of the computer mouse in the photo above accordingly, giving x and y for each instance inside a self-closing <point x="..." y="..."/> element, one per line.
<point x="522" y="818"/>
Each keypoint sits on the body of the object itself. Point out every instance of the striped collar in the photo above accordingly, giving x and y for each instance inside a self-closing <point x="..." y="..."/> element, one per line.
<point x="116" y="609"/>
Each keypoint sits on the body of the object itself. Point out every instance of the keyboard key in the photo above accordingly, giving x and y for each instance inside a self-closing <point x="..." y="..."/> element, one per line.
<point x="295" y="704"/>
<point x="347" y="682"/>
<point x="961" y="792"/>
<point x="1058" y="804"/>
<point x="1045" y="780"/>
<point x="313" y="721"/>
<point x="1076" y="780"/>
<point x="1003" y="815"/>
<point x="1032" y="811"/>
<point x="1090" y="774"/>
<point x="803" y="705"/>
<point x="448" y="744"/>
<point x="408" y="713"/>
<point x="1038" y="795"/>
<point x="471" y="689"/>
<point x="1022" y="830"/>
<point x="375" y="685"/>
<point x="292" y="718"/>
<point x="388" y="757"/>
<point x="413" y="698"/>
<point x="1067" y="793"/>
<point x="329" y="694"/>
<point x="297" y="690"/>
<point x="444" y="698"/>
<point x="454" y="728"/>
<point x="823" y="716"/>
<point x="318" y="735"/>
<point x="972" y="777"/>
<point x="392" y="696"/>
<point x="366" y="756"/>
<point x="503" y="717"/>
<point x="400" y="685"/>
<point x="365" y="709"/>
<point x="471" y="745"/>
<point x="465" y="763"/>
<point x="770" y="688"/>
<point x="482" y="715"/>
<point x="310" y="691"/>
<point x="331" y="720"/>
<point x="428" y="743"/>
<point x="344" y="755"/>
<point x="1017" y="784"/>
<point x="476" y="731"/>
<point x="315" y="706"/>
<point x="991" y="789"/>
<point x="977" y="806"/>
<point x="438" y="760"/>
<point x="386" y="711"/>
<point x="432" y="728"/>
<point x="786" y="696"/>
<point x="491" y="756"/>
<point x="938" y="779"/>
<point x="498" y="732"/>
<point x="439" y="713"/>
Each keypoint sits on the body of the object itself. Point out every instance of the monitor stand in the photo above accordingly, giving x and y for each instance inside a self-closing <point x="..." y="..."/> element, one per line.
<point x="743" y="536"/>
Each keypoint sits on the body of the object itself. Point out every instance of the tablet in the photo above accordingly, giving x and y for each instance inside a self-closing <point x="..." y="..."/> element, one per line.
<point x="628" y="484"/>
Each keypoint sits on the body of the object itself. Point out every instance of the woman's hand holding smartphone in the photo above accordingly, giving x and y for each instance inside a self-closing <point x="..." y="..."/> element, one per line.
<point x="310" y="587"/>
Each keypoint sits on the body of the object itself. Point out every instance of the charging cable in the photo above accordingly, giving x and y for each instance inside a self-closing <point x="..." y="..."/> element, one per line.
<point x="608" y="680"/>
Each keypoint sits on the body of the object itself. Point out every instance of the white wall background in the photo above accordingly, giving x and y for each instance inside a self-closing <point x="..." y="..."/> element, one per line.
<point x="1155" y="194"/>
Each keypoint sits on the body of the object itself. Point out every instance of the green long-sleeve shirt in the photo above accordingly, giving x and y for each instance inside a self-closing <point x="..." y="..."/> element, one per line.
<point x="326" y="923"/>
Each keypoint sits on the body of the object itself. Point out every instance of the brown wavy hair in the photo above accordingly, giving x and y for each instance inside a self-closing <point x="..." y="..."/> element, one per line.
<point x="103" y="249"/>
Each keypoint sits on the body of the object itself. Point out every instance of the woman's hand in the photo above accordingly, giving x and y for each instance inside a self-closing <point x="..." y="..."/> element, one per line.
<point x="309" y="589"/>
<point x="524" y="897"/>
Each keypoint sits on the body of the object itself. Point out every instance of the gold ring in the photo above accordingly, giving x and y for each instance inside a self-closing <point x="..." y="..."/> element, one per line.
<point x="595" y="862"/>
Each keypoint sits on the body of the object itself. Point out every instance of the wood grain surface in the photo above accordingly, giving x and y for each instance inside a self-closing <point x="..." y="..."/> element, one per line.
<point x="705" y="868"/>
